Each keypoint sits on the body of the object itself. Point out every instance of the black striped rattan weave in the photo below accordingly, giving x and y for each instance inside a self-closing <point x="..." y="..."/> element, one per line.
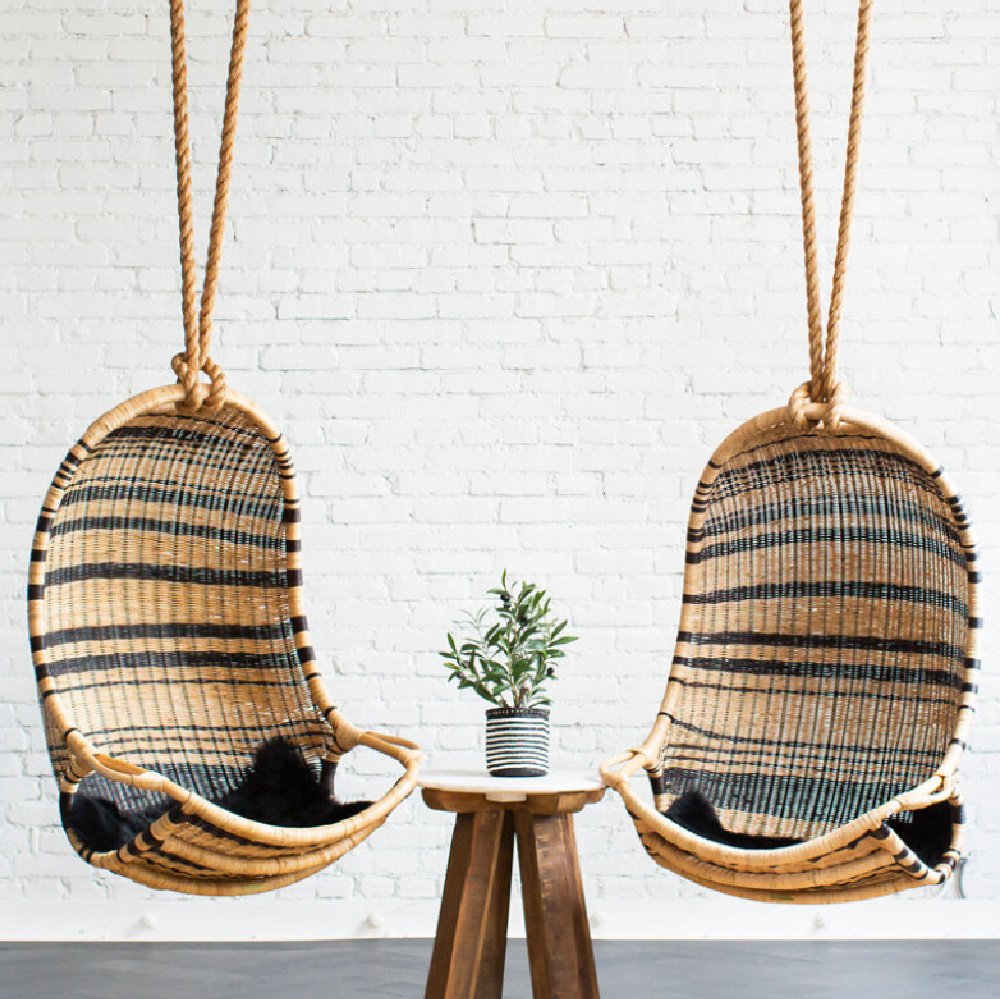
<point x="169" y="641"/>
<point x="824" y="669"/>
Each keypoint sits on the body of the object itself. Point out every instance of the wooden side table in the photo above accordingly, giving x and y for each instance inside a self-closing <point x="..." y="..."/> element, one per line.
<point x="471" y="943"/>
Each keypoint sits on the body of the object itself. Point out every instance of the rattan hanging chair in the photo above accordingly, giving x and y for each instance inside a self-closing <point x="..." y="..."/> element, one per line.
<point x="165" y="610"/>
<point x="824" y="670"/>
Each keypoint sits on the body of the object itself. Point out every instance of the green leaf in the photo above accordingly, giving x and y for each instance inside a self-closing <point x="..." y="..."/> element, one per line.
<point x="509" y="654"/>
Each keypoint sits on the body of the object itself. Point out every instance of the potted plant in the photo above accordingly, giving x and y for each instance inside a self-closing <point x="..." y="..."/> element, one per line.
<point x="507" y="656"/>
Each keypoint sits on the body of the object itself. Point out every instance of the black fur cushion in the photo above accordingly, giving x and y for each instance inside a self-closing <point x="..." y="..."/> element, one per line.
<point x="280" y="789"/>
<point x="927" y="833"/>
<point x="694" y="812"/>
<point x="101" y="825"/>
<point x="283" y="790"/>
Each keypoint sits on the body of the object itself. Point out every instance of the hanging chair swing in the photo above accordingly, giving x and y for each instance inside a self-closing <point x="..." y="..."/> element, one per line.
<point x="165" y="610"/>
<point x="807" y="744"/>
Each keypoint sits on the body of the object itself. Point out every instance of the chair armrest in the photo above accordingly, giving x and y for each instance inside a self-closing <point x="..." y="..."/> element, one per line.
<point x="409" y="754"/>
<point x="938" y="788"/>
<point x="128" y="773"/>
<point x="631" y="761"/>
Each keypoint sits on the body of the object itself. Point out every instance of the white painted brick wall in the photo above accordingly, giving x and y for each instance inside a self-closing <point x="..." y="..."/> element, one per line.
<point x="505" y="271"/>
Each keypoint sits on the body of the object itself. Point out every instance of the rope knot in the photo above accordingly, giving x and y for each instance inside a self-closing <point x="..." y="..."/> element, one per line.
<point x="834" y="411"/>
<point x="217" y="385"/>
<point x="185" y="377"/>
<point x="198" y="396"/>
<point x="797" y="404"/>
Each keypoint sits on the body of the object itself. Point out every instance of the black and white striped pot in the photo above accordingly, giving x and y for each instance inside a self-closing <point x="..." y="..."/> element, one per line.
<point x="517" y="742"/>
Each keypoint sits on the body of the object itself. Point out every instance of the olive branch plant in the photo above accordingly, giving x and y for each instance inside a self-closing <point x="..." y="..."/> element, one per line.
<point x="508" y="658"/>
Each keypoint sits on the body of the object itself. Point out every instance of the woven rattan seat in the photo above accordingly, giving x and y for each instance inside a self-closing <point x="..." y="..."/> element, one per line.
<point x="169" y="642"/>
<point x="824" y="668"/>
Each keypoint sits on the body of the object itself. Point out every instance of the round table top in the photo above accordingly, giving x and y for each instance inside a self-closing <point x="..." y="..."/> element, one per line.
<point x="510" y="788"/>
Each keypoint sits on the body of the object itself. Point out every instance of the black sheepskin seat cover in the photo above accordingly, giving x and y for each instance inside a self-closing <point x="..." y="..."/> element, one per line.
<point x="927" y="832"/>
<point x="280" y="789"/>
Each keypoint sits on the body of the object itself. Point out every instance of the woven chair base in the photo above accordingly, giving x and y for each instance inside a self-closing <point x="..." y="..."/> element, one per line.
<point x="174" y="862"/>
<point x="154" y="877"/>
<point x="842" y="867"/>
<point x="202" y="847"/>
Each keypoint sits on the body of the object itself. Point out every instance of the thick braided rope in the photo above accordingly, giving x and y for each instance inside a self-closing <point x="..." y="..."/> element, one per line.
<point x="198" y="326"/>
<point x="861" y="49"/>
<point x="182" y="152"/>
<point x="823" y="385"/>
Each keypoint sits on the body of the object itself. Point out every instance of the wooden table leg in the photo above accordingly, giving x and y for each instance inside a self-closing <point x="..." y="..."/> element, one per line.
<point x="471" y="942"/>
<point x="560" y="951"/>
<point x="491" y="964"/>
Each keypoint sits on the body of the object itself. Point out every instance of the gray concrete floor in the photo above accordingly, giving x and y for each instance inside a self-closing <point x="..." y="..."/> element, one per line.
<point x="354" y="969"/>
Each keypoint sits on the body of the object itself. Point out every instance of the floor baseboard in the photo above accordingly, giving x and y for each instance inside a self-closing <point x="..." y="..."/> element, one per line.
<point x="271" y="918"/>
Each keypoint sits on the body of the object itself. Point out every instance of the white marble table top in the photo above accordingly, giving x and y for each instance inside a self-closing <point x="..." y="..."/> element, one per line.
<point x="510" y="788"/>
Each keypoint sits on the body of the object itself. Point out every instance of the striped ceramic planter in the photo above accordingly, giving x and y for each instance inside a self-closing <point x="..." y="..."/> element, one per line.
<point x="517" y="742"/>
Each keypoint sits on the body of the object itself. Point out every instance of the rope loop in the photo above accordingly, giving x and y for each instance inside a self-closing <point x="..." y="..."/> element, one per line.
<point x="823" y="386"/>
<point x="198" y="323"/>
<point x="833" y="414"/>
<point x="200" y="397"/>
<point x="186" y="376"/>
<point x="797" y="404"/>
<point x="831" y="411"/>
<point x="217" y="386"/>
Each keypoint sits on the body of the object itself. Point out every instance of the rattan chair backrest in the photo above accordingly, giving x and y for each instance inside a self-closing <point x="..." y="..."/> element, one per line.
<point x="167" y="610"/>
<point x="824" y="650"/>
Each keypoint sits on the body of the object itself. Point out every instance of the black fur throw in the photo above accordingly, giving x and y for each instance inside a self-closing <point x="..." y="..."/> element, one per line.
<point x="694" y="812"/>
<point x="101" y="825"/>
<point x="927" y="833"/>
<point x="280" y="788"/>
